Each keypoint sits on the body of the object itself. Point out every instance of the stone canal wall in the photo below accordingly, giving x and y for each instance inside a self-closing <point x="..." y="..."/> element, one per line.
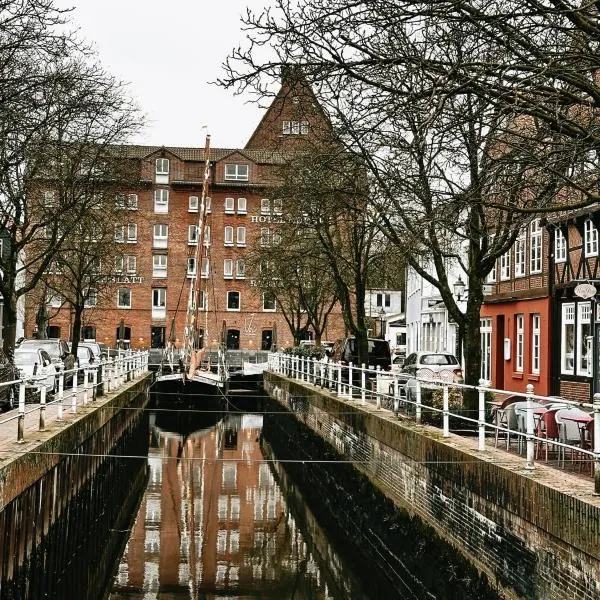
<point x="533" y="535"/>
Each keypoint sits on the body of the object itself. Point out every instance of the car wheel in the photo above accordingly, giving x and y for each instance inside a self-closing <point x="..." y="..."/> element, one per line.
<point x="12" y="399"/>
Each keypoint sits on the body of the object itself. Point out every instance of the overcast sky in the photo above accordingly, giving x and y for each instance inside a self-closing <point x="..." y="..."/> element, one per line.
<point x="168" y="51"/>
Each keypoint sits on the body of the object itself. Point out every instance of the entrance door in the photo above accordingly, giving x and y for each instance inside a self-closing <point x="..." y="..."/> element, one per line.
<point x="125" y="341"/>
<point x="233" y="339"/>
<point x="267" y="339"/>
<point x="157" y="337"/>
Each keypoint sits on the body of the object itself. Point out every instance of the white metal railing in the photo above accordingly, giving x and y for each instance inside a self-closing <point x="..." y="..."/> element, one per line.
<point x="86" y="384"/>
<point x="404" y="393"/>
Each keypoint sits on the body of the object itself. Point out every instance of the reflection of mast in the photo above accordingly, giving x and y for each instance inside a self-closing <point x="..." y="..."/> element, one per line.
<point x="193" y="341"/>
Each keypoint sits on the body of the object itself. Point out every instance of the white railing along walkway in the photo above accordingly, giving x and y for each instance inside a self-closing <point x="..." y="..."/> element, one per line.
<point x="403" y="393"/>
<point x="96" y="380"/>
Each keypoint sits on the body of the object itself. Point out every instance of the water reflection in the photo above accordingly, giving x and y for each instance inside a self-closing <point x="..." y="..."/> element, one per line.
<point x="214" y="522"/>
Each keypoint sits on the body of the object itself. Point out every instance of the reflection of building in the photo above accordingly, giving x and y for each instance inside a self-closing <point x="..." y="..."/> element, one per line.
<point x="214" y="519"/>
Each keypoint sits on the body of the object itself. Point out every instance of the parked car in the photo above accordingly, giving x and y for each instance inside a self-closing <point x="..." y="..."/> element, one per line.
<point x="94" y="347"/>
<point x="346" y="351"/>
<point x="59" y="352"/>
<point x="36" y="368"/>
<point x="9" y="394"/>
<point x="430" y="365"/>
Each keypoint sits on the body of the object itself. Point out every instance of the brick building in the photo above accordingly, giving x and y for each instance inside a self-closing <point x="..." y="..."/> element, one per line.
<point x="158" y="235"/>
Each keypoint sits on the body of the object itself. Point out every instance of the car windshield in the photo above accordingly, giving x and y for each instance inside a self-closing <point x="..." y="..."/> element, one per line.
<point x="379" y="348"/>
<point x="50" y="347"/>
<point x="438" y="359"/>
<point x="26" y="357"/>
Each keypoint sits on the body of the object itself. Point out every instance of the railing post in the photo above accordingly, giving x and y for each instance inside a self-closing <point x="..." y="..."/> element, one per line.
<point x="94" y="383"/>
<point x="446" y="412"/>
<point x="43" y="408"/>
<point x="61" y="396"/>
<point x="481" y="416"/>
<point x="74" y="392"/>
<point x="339" y="379"/>
<point x="377" y="396"/>
<point x="396" y="396"/>
<point x="529" y="428"/>
<point x="86" y="385"/>
<point x="363" y="384"/>
<point x="21" y="420"/>
<point x="418" y="401"/>
<point x="350" y="380"/>
<point x="597" y="443"/>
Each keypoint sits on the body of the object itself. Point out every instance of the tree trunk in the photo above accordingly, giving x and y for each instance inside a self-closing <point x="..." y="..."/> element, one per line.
<point x="77" y="320"/>
<point x="472" y="349"/>
<point x="9" y="323"/>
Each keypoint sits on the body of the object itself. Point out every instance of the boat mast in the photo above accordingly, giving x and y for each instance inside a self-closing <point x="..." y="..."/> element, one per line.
<point x="192" y="328"/>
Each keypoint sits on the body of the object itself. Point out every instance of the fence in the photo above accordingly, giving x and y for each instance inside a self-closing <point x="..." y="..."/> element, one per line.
<point x="87" y="383"/>
<point x="499" y="413"/>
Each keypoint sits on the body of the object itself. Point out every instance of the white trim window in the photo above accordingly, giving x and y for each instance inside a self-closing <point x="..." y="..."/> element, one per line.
<point x="236" y="172"/>
<point x="91" y="299"/>
<point x="269" y="303"/>
<point x="265" y="206"/>
<point x="205" y="270"/>
<point x="132" y="201"/>
<point x="120" y="233"/>
<point x="159" y="303"/>
<point x="584" y="338"/>
<point x="519" y="342"/>
<point x="192" y="235"/>
<point x="536" y="336"/>
<point x="567" y="339"/>
<point x="277" y="206"/>
<point x="241" y="236"/>
<point x="560" y="246"/>
<point x="162" y="166"/>
<point x="535" y="247"/>
<point x="233" y="301"/>
<point x="505" y="266"/>
<point x="240" y="268"/>
<point x="191" y="266"/>
<point x="242" y="205"/>
<point x="160" y="235"/>
<point x="206" y="241"/>
<point x="485" y="329"/>
<point x="265" y="236"/>
<point x="228" y="268"/>
<point x="520" y="245"/>
<point x="161" y="201"/>
<point x="131" y="233"/>
<point x="491" y="276"/>
<point x="207" y="204"/>
<point x="159" y="266"/>
<point x="193" y="204"/>
<point x="229" y="206"/>
<point x="202" y="300"/>
<point x="123" y="298"/>
<point x="228" y="236"/>
<point x="131" y="264"/>
<point x="590" y="234"/>
<point x="119" y="264"/>
<point x="49" y="199"/>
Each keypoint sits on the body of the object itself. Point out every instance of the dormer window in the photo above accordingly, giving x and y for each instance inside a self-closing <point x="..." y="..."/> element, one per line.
<point x="236" y="172"/>
<point x="162" y="166"/>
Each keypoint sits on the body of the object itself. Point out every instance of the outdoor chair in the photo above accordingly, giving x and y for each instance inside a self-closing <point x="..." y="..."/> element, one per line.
<point x="548" y="430"/>
<point x="502" y="415"/>
<point x="520" y="409"/>
<point x="569" y="431"/>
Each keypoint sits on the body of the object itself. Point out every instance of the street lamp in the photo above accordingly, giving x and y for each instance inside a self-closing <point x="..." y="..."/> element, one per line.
<point x="459" y="288"/>
<point x="382" y="324"/>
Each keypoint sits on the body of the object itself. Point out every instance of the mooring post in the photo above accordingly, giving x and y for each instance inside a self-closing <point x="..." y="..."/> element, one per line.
<point x="481" y="417"/>
<point x="597" y="443"/>
<point x="43" y="408"/>
<point x="529" y="428"/>
<point x="21" y="421"/>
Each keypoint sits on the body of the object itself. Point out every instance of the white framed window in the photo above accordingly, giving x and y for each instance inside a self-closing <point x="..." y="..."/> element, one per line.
<point x="269" y="304"/>
<point x="207" y="204"/>
<point x="228" y="268"/>
<point x="236" y="172"/>
<point x="485" y="329"/>
<point x="131" y="264"/>
<point x="505" y="266"/>
<point x="590" y="238"/>
<point x="535" y="247"/>
<point x="536" y="334"/>
<point x="295" y="127"/>
<point x="120" y="233"/>
<point x="265" y="206"/>
<point x="159" y="303"/>
<point x="560" y="246"/>
<point x="49" y="199"/>
<point x="123" y="298"/>
<point x="303" y="127"/>
<point x="159" y="266"/>
<point x="207" y="235"/>
<point x="54" y="301"/>
<point x="277" y="206"/>
<point x="192" y="235"/>
<point x="265" y="236"/>
<point x="228" y="237"/>
<point x="205" y="269"/>
<point x="567" y="339"/>
<point x="191" y="266"/>
<point x="119" y="263"/>
<point x="519" y="342"/>
<point x="160" y="235"/>
<point x="584" y="338"/>
<point x="242" y="206"/>
<point x="233" y="301"/>
<point x="241" y="236"/>
<point x="287" y="128"/>
<point x="131" y="233"/>
<point x="240" y="268"/>
<point x="520" y="255"/>
<point x="229" y="206"/>
<point x="132" y="202"/>
<point x="193" y="204"/>
<point x="202" y="300"/>
<point x="91" y="299"/>
<point x="161" y="201"/>
<point x="120" y="202"/>
<point x="275" y="238"/>
<point x="162" y="166"/>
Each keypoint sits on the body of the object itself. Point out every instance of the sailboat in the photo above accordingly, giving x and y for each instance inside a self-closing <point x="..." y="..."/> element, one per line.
<point x="191" y="363"/>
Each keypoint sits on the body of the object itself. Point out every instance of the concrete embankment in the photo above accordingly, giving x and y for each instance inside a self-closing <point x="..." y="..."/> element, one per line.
<point x="530" y="534"/>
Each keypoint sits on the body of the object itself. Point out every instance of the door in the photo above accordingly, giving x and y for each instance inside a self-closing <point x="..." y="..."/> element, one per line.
<point x="157" y="337"/>
<point x="233" y="339"/>
<point x="266" y="339"/>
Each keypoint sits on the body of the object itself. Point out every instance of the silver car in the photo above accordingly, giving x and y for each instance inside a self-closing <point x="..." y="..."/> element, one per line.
<point x="441" y="366"/>
<point x="36" y="369"/>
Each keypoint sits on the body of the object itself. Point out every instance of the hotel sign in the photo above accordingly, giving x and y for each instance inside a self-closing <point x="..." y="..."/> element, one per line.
<point x="266" y="219"/>
<point x="127" y="279"/>
<point x="585" y="291"/>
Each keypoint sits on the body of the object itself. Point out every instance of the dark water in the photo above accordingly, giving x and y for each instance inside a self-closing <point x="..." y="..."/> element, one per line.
<point x="214" y="520"/>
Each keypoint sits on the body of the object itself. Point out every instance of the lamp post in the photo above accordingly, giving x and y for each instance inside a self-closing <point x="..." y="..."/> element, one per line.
<point x="382" y="324"/>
